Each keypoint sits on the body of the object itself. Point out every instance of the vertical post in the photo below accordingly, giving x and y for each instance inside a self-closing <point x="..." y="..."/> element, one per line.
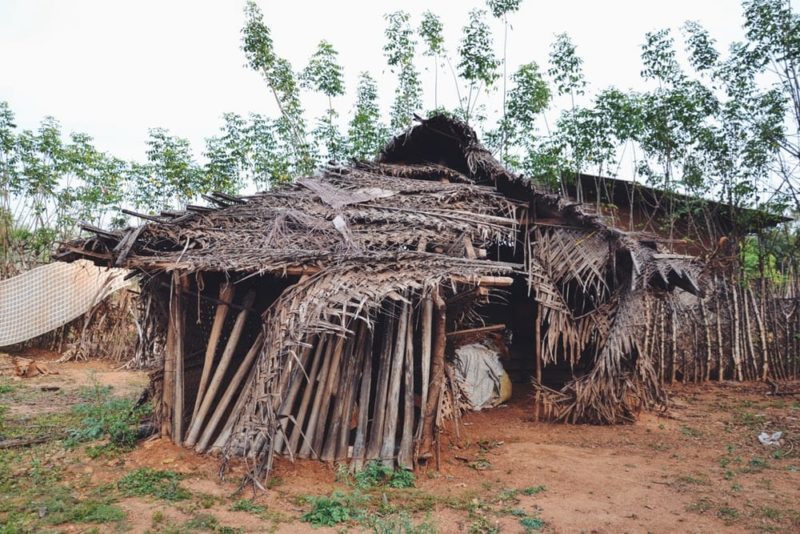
<point x="175" y="354"/>
<point x="437" y="376"/>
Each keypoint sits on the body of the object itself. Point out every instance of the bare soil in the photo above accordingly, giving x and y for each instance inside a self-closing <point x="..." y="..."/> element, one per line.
<point x="698" y="467"/>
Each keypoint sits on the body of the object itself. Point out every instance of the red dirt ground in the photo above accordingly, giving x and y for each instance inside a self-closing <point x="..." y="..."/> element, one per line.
<point x="696" y="468"/>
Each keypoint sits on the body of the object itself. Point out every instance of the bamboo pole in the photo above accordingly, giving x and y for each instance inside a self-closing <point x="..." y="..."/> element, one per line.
<point x="718" y="320"/>
<point x="226" y="292"/>
<point x="230" y="391"/>
<point x="219" y="373"/>
<point x="227" y="428"/>
<point x="392" y="401"/>
<point x="437" y="377"/>
<point x="343" y="445"/>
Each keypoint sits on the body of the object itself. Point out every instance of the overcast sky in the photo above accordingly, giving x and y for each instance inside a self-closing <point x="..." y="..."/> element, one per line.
<point x="113" y="69"/>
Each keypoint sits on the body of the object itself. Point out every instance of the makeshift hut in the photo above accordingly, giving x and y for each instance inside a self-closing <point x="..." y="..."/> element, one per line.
<point x="318" y="319"/>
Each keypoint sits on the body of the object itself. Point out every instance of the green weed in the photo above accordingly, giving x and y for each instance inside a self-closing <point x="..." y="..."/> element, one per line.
<point x="334" y="509"/>
<point x="160" y="484"/>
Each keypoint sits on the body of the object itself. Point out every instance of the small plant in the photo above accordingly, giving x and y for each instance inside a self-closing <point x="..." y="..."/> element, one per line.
<point x="247" y="505"/>
<point x="334" y="509"/>
<point x="533" y="490"/>
<point x="531" y="524"/>
<point x="146" y="481"/>
<point x="377" y="474"/>
<point x="728" y="514"/>
<point x="115" y="419"/>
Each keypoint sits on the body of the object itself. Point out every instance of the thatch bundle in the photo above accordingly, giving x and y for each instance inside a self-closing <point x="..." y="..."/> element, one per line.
<point x="315" y="320"/>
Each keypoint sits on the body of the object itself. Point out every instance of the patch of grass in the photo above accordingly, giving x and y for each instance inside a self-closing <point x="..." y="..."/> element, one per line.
<point x="160" y="484"/>
<point x="332" y="510"/>
<point x="6" y="387"/>
<point x="89" y="511"/>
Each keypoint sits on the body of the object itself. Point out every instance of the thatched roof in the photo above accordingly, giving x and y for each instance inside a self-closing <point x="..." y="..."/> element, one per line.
<point x="432" y="186"/>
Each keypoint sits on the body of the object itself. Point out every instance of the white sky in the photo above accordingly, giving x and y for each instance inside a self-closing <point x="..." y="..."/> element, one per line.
<point x="113" y="69"/>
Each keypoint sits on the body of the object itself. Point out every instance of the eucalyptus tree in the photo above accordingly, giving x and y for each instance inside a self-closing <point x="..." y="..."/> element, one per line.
<point x="528" y="98"/>
<point x="9" y="176"/>
<point x="366" y="133"/>
<point x="228" y="166"/>
<point x="260" y="52"/>
<point x="477" y="62"/>
<point x="566" y="70"/>
<point x="500" y="9"/>
<point x="324" y="75"/>
<point x="170" y="177"/>
<point x="399" y="50"/>
<point x="431" y="30"/>
<point x="772" y="49"/>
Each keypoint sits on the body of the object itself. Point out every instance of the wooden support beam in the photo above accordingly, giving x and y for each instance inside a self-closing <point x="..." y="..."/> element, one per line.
<point x="437" y="377"/>
<point x="484" y="281"/>
<point x="479" y="330"/>
<point x="405" y="455"/>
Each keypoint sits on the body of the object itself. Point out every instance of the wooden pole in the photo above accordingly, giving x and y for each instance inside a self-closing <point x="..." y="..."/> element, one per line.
<point x="306" y="449"/>
<point x="437" y="376"/>
<point x="179" y="322"/>
<point x="392" y="401"/>
<point x="405" y="456"/>
<point x="293" y="376"/>
<point x="359" y="444"/>
<point x="302" y="411"/>
<point x="219" y="373"/>
<point x="329" y="388"/>
<point x="226" y="292"/>
<point x="382" y="386"/>
<point x="168" y="378"/>
<point x="425" y="359"/>
<point x="230" y="391"/>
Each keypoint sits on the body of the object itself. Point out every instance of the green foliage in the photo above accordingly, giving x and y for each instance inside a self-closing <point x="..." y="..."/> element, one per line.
<point x="323" y="72"/>
<point x="531" y="524"/>
<point x="534" y="490"/>
<point x="160" y="484"/>
<point x="566" y="67"/>
<point x="501" y="8"/>
<point x="376" y="474"/>
<point x="431" y="29"/>
<point x="399" y="52"/>
<point x="331" y="510"/>
<point x="108" y="417"/>
<point x="366" y="134"/>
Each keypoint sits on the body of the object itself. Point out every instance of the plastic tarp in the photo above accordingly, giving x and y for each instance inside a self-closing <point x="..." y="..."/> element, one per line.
<point x="482" y="378"/>
<point x="47" y="297"/>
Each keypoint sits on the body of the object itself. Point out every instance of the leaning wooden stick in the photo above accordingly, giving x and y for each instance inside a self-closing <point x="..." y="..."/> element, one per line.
<point x="233" y="387"/>
<point x="226" y="292"/>
<point x="219" y="374"/>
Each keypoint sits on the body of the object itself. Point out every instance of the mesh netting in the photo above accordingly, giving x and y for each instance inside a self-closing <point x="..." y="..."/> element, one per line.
<point x="45" y="298"/>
